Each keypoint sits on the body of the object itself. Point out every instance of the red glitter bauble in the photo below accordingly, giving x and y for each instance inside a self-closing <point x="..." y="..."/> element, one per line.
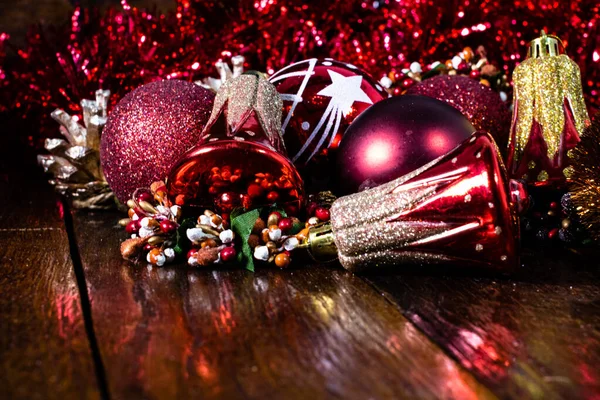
<point x="320" y="99"/>
<point x="481" y="105"/>
<point x="394" y="137"/>
<point x="148" y="130"/>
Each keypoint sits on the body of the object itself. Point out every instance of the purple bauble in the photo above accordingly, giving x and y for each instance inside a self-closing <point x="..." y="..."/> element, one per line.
<point x="395" y="137"/>
<point x="482" y="106"/>
<point x="148" y="130"/>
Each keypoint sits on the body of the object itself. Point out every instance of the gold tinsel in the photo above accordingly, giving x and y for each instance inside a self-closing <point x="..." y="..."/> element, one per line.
<point x="585" y="186"/>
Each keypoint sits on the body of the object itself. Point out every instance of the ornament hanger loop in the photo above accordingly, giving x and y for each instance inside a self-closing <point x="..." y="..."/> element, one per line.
<point x="544" y="46"/>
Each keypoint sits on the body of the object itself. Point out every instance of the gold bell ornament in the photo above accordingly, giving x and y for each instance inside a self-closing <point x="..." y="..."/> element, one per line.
<point x="549" y="114"/>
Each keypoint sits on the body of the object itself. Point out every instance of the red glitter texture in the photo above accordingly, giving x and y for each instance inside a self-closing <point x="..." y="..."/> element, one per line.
<point x="122" y="49"/>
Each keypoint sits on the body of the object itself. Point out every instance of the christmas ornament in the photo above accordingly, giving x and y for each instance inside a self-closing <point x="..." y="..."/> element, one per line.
<point x="457" y="209"/>
<point x="321" y="98"/>
<point x="549" y="113"/>
<point x="481" y="105"/>
<point x="75" y="162"/>
<point x="395" y="137"/>
<point x="240" y="161"/>
<point x="585" y="186"/>
<point x="149" y="130"/>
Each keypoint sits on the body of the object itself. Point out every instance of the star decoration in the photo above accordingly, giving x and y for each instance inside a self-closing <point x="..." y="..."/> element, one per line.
<point x="344" y="91"/>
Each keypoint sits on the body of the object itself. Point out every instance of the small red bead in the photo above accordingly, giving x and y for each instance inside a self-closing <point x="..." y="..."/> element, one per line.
<point x="406" y="83"/>
<point x="191" y="252"/>
<point x="475" y="74"/>
<point x="228" y="254"/>
<point x="133" y="227"/>
<point x="322" y="213"/>
<point x="148" y="247"/>
<point x="552" y="234"/>
<point x="273" y="196"/>
<point x="168" y="226"/>
<point x="255" y="190"/>
<point x="553" y="205"/>
<point x="463" y="66"/>
<point x="285" y="224"/>
<point x="145" y="196"/>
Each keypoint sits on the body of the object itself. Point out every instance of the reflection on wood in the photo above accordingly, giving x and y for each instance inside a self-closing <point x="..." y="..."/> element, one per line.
<point x="44" y="350"/>
<point x="533" y="335"/>
<point x="314" y="332"/>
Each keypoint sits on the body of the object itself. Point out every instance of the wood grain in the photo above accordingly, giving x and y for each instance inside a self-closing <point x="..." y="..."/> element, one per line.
<point x="315" y="332"/>
<point x="44" y="350"/>
<point x="534" y="335"/>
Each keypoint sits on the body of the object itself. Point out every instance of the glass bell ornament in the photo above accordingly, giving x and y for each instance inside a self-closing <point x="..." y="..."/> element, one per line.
<point x="240" y="161"/>
<point x="457" y="210"/>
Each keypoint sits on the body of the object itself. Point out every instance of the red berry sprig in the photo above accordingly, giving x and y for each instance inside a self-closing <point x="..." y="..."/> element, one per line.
<point x="152" y="224"/>
<point x="212" y="242"/>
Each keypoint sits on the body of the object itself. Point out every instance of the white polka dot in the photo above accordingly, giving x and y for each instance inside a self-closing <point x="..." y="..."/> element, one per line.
<point x="467" y="198"/>
<point x="327" y="63"/>
<point x="305" y="125"/>
<point x="378" y="86"/>
<point x="478" y="247"/>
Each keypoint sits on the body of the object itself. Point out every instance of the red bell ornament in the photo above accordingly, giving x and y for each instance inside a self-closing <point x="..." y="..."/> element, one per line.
<point x="321" y="97"/>
<point x="458" y="209"/>
<point x="240" y="161"/>
<point x="549" y="114"/>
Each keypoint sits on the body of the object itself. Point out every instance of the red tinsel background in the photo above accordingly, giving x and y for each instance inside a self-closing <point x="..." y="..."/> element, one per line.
<point x="123" y="48"/>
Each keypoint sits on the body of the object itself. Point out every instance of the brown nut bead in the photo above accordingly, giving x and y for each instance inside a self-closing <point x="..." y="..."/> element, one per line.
<point x="258" y="227"/>
<point x="209" y="243"/>
<point x="282" y="260"/>
<point x="153" y="255"/>
<point x="302" y="235"/>
<point x="272" y="247"/>
<point x="253" y="241"/>
<point x="215" y="219"/>
<point x="265" y="235"/>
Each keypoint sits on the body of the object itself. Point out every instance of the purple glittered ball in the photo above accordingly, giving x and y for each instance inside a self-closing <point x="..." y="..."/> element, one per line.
<point x="148" y="130"/>
<point x="482" y="106"/>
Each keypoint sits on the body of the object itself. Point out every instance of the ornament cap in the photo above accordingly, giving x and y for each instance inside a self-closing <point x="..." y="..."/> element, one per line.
<point x="320" y="243"/>
<point x="243" y="104"/>
<point x="545" y="46"/>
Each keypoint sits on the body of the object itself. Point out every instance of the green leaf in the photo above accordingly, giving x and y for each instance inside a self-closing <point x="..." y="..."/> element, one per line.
<point x="183" y="243"/>
<point x="242" y="225"/>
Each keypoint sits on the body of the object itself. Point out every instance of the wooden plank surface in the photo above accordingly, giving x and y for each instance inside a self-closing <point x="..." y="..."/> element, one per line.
<point x="44" y="350"/>
<point x="534" y="335"/>
<point x="315" y="332"/>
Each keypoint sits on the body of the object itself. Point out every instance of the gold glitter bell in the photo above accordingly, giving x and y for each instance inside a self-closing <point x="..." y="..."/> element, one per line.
<point x="549" y="114"/>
